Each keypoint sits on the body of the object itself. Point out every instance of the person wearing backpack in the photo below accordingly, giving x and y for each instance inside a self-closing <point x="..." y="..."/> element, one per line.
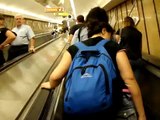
<point x="82" y="33"/>
<point x="80" y="21"/>
<point x="92" y="69"/>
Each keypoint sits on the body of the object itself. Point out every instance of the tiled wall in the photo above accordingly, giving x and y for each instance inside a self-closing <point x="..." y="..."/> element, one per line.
<point x="37" y="26"/>
<point x="148" y="14"/>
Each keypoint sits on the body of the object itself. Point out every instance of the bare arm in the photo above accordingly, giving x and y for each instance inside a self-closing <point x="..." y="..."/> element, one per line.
<point x="32" y="45"/>
<point x="129" y="79"/>
<point x="9" y="39"/>
<point x="70" y="38"/>
<point x="59" y="72"/>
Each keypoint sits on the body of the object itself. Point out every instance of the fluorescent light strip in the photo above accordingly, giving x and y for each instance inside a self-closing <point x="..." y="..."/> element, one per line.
<point x="73" y="8"/>
<point x="24" y="12"/>
<point x="61" y="2"/>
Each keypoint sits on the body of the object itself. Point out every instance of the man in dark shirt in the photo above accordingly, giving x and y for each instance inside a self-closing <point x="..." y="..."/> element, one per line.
<point x="80" y="21"/>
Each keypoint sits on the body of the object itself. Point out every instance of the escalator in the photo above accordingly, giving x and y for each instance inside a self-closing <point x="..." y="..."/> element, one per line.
<point x="19" y="83"/>
<point x="52" y="107"/>
<point x="41" y="40"/>
<point x="42" y="104"/>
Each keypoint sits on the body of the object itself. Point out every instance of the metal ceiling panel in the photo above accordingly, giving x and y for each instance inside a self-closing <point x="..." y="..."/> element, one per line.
<point x="38" y="7"/>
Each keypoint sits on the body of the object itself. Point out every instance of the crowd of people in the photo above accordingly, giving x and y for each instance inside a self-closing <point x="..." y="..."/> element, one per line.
<point x="125" y="53"/>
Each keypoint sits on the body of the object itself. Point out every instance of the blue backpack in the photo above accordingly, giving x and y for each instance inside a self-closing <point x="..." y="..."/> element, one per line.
<point x="89" y="80"/>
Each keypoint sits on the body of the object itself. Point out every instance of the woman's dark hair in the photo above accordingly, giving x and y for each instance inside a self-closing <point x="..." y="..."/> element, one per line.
<point x="97" y="19"/>
<point x="98" y="14"/>
<point x="95" y="27"/>
<point x="129" y="20"/>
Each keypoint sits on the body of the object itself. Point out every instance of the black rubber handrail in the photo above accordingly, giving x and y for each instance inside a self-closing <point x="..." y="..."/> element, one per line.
<point x="155" y="61"/>
<point x="17" y="59"/>
<point x="39" y="109"/>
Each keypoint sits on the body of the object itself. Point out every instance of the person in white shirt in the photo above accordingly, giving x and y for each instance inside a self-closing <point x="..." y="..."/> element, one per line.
<point x="82" y="33"/>
<point x="24" y="41"/>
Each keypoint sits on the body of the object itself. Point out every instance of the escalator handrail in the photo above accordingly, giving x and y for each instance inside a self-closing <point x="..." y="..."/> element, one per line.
<point x="40" y="106"/>
<point x="9" y="64"/>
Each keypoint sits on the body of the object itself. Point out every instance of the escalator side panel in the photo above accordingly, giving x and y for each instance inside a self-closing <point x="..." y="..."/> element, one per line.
<point x="18" y="83"/>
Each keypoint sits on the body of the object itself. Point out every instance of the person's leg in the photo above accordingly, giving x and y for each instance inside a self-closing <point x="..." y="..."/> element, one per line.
<point x="22" y="50"/>
<point x="2" y="59"/>
<point x="15" y="51"/>
<point x="11" y="53"/>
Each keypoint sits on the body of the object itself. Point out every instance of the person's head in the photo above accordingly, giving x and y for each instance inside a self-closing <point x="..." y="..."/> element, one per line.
<point x="80" y="18"/>
<point x="128" y="21"/>
<point x="1" y="20"/>
<point x="19" y="20"/>
<point x="102" y="29"/>
<point x="98" y="14"/>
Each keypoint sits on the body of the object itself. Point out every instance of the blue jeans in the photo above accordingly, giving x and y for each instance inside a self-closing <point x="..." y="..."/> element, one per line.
<point x="127" y="111"/>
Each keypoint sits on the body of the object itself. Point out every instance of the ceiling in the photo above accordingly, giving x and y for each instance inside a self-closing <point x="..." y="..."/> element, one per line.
<point x="35" y="9"/>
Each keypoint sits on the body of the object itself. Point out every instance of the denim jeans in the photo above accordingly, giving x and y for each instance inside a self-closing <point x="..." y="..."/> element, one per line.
<point x="128" y="111"/>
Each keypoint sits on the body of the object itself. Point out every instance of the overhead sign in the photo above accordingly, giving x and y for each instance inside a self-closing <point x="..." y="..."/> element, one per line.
<point x="63" y="14"/>
<point x="55" y="9"/>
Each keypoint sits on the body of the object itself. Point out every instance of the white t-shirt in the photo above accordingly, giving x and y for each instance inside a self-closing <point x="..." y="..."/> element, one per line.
<point x="24" y="34"/>
<point x="83" y="35"/>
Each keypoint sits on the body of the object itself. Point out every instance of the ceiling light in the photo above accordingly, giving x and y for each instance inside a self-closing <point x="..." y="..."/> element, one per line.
<point x="14" y="11"/>
<point x="73" y="8"/>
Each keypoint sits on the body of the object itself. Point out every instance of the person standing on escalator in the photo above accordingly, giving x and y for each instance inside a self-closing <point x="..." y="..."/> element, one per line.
<point x="24" y="41"/>
<point x="6" y="37"/>
<point x="80" y="21"/>
<point x="131" y="41"/>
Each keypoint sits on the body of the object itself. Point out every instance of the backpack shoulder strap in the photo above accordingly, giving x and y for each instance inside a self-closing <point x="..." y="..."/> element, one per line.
<point x="102" y="43"/>
<point x="98" y="47"/>
<point x="101" y="48"/>
<point x="81" y="45"/>
<point x="79" y="33"/>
